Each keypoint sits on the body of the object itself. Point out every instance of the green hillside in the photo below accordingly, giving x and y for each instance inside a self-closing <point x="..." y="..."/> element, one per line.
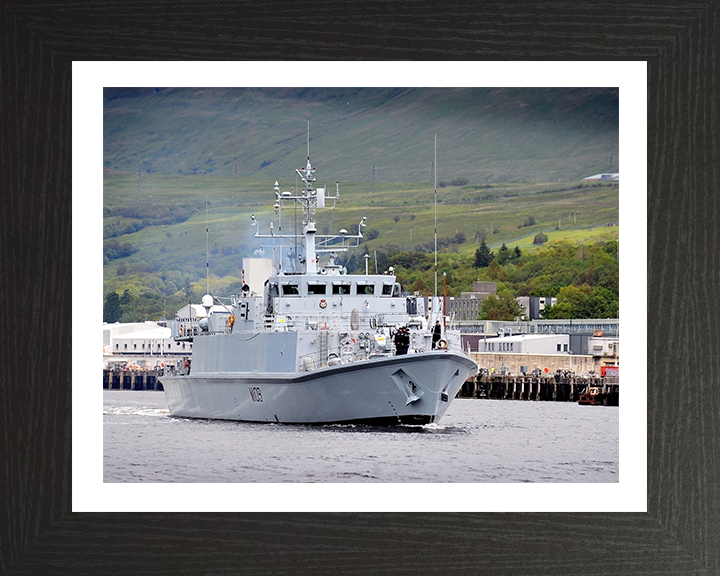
<point x="484" y="135"/>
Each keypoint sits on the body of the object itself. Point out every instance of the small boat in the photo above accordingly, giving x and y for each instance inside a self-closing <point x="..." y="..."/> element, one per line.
<point x="318" y="346"/>
<point x="598" y="396"/>
<point x="590" y="398"/>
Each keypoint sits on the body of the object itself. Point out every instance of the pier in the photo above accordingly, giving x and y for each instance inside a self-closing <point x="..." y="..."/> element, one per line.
<point x="132" y="380"/>
<point x="556" y="388"/>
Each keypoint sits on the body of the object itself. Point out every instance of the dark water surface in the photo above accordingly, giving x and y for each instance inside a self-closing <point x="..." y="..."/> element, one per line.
<point x="476" y="441"/>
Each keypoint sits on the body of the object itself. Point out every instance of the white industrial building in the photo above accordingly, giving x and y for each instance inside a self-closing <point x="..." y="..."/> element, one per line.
<point x="603" y="346"/>
<point x="605" y="177"/>
<point x="151" y="343"/>
<point x="527" y="344"/>
<point x="141" y="340"/>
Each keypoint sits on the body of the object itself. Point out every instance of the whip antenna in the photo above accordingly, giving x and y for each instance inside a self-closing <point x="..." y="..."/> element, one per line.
<point x="207" y="249"/>
<point x="436" y="287"/>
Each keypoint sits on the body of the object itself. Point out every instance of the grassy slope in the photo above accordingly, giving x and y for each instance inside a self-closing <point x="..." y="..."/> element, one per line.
<point x="485" y="135"/>
<point x="228" y="217"/>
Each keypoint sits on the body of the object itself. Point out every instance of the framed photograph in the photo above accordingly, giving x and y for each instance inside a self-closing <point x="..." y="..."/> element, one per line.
<point x="61" y="516"/>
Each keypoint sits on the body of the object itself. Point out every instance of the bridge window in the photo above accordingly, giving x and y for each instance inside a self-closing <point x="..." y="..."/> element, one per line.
<point x="366" y="288"/>
<point x="387" y="289"/>
<point x="316" y="289"/>
<point x="290" y="290"/>
<point x="341" y="288"/>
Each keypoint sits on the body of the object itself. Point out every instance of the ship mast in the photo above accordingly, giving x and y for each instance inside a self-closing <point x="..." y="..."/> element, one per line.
<point x="309" y="195"/>
<point x="310" y="198"/>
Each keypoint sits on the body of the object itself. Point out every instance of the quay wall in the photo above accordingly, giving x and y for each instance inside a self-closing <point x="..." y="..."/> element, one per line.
<point x="580" y="364"/>
<point x="568" y="378"/>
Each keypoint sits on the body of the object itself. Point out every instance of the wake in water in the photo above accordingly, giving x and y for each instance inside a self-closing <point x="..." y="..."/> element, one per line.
<point x="433" y="428"/>
<point x="134" y="411"/>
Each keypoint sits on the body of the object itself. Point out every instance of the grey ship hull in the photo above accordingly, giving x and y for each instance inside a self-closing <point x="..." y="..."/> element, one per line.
<point x="407" y="389"/>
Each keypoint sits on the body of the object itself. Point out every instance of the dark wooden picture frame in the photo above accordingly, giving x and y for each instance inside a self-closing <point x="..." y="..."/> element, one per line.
<point x="680" y="532"/>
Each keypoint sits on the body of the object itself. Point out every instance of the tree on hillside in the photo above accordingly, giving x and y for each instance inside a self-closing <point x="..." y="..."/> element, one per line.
<point x="111" y="307"/>
<point x="371" y="234"/>
<point x="503" y="255"/>
<point x="611" y="248"/>
<point x="502" y="306"/>
<point x="494" y="272"/>
<point x="112" y="250"/>
<point x="584" y="302"/>
<point x="483" y="256"/>
<point x="419" y="286"/>
<point x="516" y="255"/>
<point x="126" y="298"/>
<point x="540" y="238"/>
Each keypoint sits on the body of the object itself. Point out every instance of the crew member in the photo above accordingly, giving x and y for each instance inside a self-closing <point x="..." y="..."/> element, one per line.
<point x="436" y="334"/>
<point x="402" y="341"/>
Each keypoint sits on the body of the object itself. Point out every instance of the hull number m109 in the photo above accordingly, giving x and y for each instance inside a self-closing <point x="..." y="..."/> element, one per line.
<point x="255" y="394"/>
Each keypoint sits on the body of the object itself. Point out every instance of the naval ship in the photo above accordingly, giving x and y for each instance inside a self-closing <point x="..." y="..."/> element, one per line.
<point x="318" y="346"/>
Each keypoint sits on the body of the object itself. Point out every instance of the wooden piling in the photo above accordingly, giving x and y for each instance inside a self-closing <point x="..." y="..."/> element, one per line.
<point x="558" y="388"/>
<point x="132" y="380"/>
